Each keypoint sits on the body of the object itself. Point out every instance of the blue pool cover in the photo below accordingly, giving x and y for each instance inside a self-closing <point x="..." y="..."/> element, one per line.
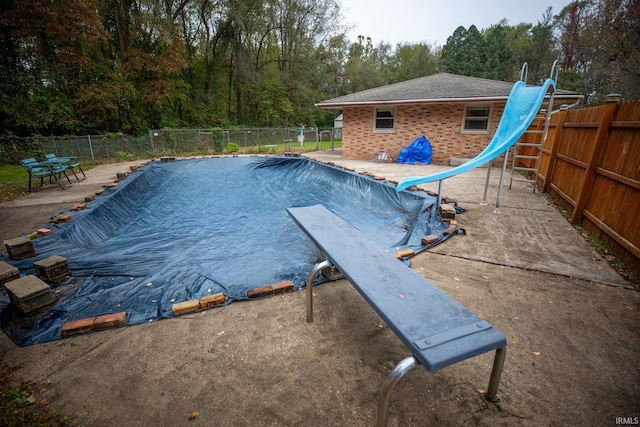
<point x="177" y="231"/>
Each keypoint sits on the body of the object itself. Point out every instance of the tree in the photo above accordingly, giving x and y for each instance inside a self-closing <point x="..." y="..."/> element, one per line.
<point x="45" y="50"/>
<point x="499" y="63"/>
<point x="464" y="53"/>
<point x="411" y="61"/>
<point x="519" y="40"/>
<point x="614" y="27"/>
<point x="542" y="51"/>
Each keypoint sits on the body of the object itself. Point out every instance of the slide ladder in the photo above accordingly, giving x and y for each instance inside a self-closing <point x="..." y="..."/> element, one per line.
<point x="527" y="151"/>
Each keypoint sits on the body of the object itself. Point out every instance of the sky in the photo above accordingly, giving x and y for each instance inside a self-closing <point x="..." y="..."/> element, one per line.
<point x="430" y="21"/>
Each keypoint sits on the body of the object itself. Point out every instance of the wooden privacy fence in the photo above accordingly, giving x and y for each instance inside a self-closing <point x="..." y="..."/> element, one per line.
<point x="591" y="166"/>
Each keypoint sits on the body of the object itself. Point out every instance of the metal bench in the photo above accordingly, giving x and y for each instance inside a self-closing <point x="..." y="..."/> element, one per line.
<point x="436" y="329"/>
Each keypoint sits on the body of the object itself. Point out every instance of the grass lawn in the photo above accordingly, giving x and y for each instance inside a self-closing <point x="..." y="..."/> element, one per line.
<point x="14" y="181"/>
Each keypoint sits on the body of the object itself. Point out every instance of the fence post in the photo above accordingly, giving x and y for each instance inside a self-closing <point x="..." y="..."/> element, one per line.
<point x="594" y="157"/>
<point x="553" y="155"/>
<point x="153" y="149"/>
<point x="93" y="160"/>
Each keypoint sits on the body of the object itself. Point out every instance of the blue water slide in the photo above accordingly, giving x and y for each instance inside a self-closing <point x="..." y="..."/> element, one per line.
<point x="521" y="108"/>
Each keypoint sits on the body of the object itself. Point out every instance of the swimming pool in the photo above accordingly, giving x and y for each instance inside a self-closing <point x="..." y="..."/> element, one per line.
<point x="181" y="230"/>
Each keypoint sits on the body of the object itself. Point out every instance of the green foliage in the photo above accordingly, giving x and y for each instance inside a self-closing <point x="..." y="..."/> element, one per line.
<point x="465" y="53"/>
<point x="231" y="147"/>
<point x="72" y="67"/>
<point x="499" y="63"/>
<point x="123" y="156"/>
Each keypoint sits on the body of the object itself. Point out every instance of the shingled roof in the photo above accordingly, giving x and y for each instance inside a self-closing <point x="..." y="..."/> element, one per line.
<point x="436" y="88"/>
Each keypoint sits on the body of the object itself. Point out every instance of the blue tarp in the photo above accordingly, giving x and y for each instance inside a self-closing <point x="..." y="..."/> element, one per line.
<point x="182" y="230"/>
<point x="418" y="152"/>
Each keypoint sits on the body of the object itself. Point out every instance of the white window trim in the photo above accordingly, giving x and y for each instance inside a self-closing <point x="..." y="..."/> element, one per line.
<point x="477" y="131"/>
<point x="375" y="117"/>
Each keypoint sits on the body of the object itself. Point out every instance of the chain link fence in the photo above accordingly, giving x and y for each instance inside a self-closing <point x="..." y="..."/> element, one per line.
<point x="164" y="142"/>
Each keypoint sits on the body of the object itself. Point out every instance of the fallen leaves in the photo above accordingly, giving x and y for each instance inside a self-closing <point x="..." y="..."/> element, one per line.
<point x="194" y="415"/>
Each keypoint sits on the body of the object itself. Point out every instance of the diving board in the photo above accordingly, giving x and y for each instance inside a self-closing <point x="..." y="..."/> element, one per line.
<point x="436" y="329"/>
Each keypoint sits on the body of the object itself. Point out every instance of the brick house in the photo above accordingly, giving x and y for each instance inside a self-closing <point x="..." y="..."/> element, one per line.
<point x="457" y="114"/>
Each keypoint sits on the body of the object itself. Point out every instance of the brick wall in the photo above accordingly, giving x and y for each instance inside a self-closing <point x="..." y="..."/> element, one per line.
<point x="440" y="123"/>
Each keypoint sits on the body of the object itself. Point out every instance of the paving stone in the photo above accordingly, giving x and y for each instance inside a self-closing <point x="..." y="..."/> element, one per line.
<point x="20" y="248"/>
<point x="185" y="307"/>
<point x="261" y="291"/>
<point x="77" y="327"/>
<point x="54" y="269"/>
<point x="450" y="229"/>
<point x="447" y="211"/>
<point x="110" y="320"/>
<point x="61" y="218"/>
<point x="29" y="294"/>
<point x="403" y="253"/>
<point x="276" y="288"/>
<point x="212" y="300"/>
<point x="427" y="240"/>
<point x="7" y="273"/>
<point x="282" y="287"/>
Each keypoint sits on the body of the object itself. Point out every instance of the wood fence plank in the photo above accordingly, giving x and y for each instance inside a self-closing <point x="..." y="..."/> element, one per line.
<point x="594" y="157"/>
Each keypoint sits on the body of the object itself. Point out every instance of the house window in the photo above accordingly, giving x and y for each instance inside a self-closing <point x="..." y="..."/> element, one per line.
<point x="384" y="121"/>
<point x="476" y="119"/>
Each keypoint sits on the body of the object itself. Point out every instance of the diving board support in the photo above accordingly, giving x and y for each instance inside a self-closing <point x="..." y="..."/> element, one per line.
<point x="408" y="363"/>
<point x="496" y="374"/>
<point x="390" y="381"/>
<point x="316" y="270"/>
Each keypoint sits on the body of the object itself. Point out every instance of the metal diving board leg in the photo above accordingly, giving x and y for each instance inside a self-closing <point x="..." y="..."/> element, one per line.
<point x="496" y="373"/>
<point x="393" y="378"/>
<point x="318" y="267"/>
<point x="410" y="362"/>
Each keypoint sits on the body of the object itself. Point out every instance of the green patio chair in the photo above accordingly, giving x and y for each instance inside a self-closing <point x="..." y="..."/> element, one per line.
<point x="71" y="162"/>
<point x="43" y="170"/>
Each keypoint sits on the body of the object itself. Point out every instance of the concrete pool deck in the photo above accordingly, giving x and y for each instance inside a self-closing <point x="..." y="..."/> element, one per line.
<point x="572" y="330"/>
